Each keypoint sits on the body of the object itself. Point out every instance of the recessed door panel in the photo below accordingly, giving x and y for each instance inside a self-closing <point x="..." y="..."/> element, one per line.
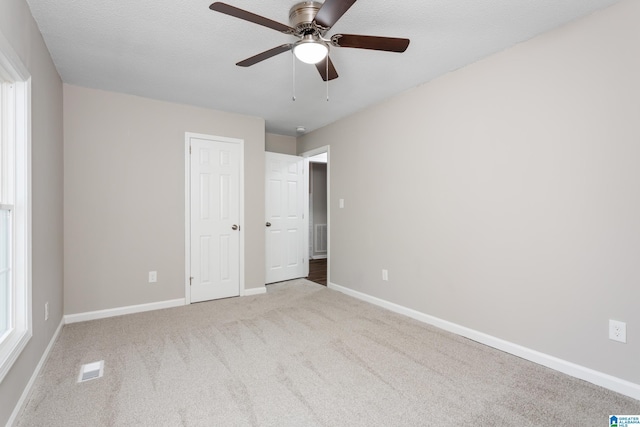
<point x="275" y="254"/>
<point x="205" y="259"/>
<point x="293" y="239"/>
<point x="293" y="204"/>
<point x="274" y="210"/>
<point x="225" y="267"/>
<point x="225" y="197"/>
<point x="205" y="196"/>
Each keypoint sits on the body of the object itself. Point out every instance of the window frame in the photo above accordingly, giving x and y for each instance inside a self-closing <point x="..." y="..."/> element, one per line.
<point x="15" y="195"/>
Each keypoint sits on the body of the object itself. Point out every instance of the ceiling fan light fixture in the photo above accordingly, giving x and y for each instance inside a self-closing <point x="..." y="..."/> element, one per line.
<point x="310" y="50"/>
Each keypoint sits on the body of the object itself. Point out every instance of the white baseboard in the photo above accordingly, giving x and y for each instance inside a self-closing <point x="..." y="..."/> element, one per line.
<point x="598" y="378"/>
<point x="254" y="291"/>
<point x="119" y="311"/>
<point x="319" y="257"/>
<point x="27" y="390"/>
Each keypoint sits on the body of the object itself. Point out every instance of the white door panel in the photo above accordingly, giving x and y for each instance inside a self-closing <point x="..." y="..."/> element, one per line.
<point x="215" y="212"/>
<point x="285" y="239"/>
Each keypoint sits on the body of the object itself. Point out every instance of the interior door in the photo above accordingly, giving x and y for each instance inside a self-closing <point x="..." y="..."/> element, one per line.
<point x="215" y="219"/>
<point x="286" y="250"/>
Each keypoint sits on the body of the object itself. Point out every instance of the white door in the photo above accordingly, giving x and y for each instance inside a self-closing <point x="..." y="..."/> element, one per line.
<point x="215" y="218"/>
<point x="285" y="226"/>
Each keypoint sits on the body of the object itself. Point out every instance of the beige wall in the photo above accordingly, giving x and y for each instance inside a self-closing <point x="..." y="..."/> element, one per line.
<point x="19" y="29"/>
<point x="504" y="196"/>
<point x="124" y="196"/>
<point x="282" y="144"/>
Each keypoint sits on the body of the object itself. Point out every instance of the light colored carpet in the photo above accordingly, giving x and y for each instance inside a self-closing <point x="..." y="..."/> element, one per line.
<point x="301" y="355"/>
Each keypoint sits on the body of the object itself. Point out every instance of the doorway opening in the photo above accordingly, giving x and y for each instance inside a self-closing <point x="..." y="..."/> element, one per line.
<point x="318" y="247"/>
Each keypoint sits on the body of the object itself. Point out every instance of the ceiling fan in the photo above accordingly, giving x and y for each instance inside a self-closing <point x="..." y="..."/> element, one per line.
<point x="310" y="21"/>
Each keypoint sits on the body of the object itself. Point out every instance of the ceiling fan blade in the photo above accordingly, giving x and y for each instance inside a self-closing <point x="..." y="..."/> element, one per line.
<point x="264" y="55"/>
<point x="322" y="68"/>
<point x="331" y="11"/>
<point x="251" y="17"/>
<point x="389" y="44"/>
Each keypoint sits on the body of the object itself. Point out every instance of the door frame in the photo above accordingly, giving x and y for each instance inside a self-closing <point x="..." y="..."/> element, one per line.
<point x="306" y="155"/>
<point x="187" y="207"/>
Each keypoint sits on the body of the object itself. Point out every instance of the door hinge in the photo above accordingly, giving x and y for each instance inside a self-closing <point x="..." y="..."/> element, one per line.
<point x="189" y="149"/>
<point x="190" y="281"/>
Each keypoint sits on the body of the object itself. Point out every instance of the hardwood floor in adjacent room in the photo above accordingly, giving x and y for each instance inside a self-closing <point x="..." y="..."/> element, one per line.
<point x="318" y="271"/>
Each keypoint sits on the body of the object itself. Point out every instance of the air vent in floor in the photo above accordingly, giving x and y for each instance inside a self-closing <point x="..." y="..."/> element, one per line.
<point x="91" y="371"/>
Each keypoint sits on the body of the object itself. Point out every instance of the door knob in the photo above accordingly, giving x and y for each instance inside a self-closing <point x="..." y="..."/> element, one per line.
<point x="234" y="227"/>
<point x="268" y="224"/>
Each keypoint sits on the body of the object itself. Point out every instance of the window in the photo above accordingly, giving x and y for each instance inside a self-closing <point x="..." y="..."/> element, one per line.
<point x="15" y="209"/>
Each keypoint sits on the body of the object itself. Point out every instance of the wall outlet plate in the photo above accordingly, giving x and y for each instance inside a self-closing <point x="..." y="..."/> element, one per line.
<point x="617" y="331"/>
<point x="153" y="276"/>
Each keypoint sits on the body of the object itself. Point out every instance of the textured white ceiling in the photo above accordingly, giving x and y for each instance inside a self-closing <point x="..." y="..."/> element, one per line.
<point x="180" y="51"/>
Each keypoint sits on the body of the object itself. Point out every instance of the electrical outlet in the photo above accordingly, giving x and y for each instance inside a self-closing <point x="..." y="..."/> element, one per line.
<point x="385" y="275"/>
<point x="46" y="310"/>
<point x="153" y="276"/>
<point x="617" y="331"/>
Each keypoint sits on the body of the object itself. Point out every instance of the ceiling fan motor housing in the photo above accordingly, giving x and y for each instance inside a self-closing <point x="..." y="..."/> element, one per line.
<point x="301" y="18"/>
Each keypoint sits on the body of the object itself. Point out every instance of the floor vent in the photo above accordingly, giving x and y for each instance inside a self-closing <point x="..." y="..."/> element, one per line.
<point x="91" y="371"/>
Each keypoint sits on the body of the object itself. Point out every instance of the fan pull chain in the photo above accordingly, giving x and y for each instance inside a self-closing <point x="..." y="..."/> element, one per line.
<point x="326" y="61"/>
<point x="293" y="64"/>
